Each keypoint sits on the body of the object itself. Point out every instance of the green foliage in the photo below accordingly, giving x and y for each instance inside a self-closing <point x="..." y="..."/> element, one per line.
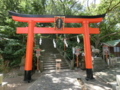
<point x="109" y="25"/>
<point x="12" y="46"/>
<point x="1" y="65"/>
<point x="12" y="50"/>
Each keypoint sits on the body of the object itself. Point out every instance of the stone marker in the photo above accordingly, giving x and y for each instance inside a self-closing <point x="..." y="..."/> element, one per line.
<point x="117" y="87"/>
<point x="114" y="84"/>
<point x="3" y="86"/>
<point x="58" y="64"/>
<point x="1" y="79"/>
<point x="118" y="79"/>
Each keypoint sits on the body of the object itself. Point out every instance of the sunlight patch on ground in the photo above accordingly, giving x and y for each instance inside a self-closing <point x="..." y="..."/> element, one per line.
<point x="98" y="87"/>
<point x="104" y="73"/>
<point x="67" y="89"/>
<point x="56" y="80"/>
<point x="14" y="85"/>
<point x="73" y="82"/>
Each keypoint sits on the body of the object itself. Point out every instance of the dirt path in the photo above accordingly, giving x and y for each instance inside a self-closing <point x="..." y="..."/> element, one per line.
<point x="15" y="80"/>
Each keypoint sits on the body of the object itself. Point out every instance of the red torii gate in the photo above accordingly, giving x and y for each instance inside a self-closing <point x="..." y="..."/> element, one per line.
<point x="31" y="29"/>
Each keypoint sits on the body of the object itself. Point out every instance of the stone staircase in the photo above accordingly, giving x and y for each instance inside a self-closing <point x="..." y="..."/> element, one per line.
<point x="50" y="55"/>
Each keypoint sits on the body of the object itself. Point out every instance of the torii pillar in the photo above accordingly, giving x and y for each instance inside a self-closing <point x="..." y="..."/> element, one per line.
<point x="58" y="29"/>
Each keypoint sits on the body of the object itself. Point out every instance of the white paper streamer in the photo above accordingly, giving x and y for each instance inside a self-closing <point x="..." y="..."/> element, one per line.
<point x="54" y="44"/>
<point x="65" y="42"/>
<point x="83" y="54"/>
<point x="78" y="40"/>
<point x="73" y="50"/>
<point x="40" y="41"/>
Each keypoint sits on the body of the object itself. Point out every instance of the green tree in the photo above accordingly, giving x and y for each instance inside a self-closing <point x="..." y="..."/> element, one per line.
<point x="109" y="27"/>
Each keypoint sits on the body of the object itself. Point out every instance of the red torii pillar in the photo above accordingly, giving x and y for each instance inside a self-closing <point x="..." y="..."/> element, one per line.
<point x="31" y="29"/>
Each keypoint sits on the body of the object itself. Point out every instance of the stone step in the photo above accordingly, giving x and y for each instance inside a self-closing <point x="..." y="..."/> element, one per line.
<point x="53" y="61"/>
<point x="50" y="55"/>
<point x="53" y="68"/>
<point x="51" y="65"/>
<point x="48" y="63"/>
<point x="54" y="64"/>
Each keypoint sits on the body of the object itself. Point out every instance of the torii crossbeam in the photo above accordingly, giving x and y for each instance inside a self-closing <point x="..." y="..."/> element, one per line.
<point x="59" y="21"/>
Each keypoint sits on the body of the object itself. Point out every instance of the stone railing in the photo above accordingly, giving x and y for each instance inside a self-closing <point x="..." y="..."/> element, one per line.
<point x="64" y="54"/>
<point x="113" y="62"/>
<point x="98" y="64"/>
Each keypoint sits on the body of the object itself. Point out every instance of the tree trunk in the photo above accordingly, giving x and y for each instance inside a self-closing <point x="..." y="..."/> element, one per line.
<point x="97" y="42"/>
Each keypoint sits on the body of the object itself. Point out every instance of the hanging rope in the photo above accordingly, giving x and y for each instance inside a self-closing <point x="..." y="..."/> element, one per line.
<point x="62" y="39"/>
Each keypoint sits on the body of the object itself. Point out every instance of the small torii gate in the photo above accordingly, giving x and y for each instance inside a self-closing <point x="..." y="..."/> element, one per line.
<point x="57" y="29"/>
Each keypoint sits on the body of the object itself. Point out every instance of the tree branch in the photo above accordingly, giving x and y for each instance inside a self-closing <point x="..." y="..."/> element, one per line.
<point x="54" y="7"/>
<point x="109" y="6"/>
<point x="93" y="38"/>
<point x="110" y="9"/>
<point x="63" y="6"/>
<point x="88" y="5"/>
<point x="109" y="34"/>
<point x="73" y="5"/>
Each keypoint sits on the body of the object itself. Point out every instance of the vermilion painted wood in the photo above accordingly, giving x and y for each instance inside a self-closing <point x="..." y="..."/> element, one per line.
<point x="51" y="20"/>
<point x="24" y="30"/>
<point x="87" y="47"/>
<point x="29" y="48"/>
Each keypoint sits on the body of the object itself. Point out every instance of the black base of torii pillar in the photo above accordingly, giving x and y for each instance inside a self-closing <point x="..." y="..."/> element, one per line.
<point x="27" y="76"/>
<point x="89" y="74"/>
